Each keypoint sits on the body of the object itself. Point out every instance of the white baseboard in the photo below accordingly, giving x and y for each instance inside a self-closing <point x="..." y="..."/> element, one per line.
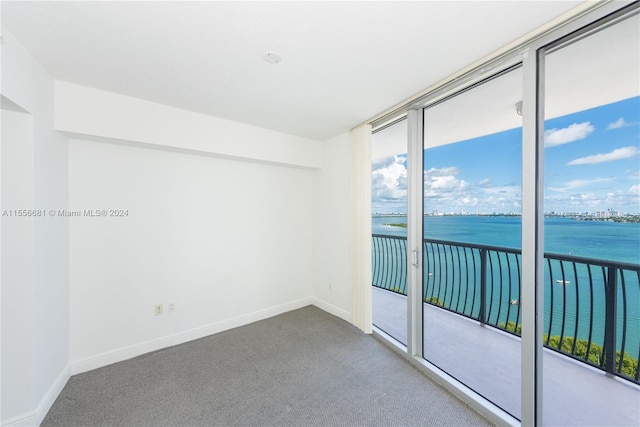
<point x="52" y="394"/>
<point x="34" y="418"/>
<point x="125" y="353"/>
<point x="25" y="420"/>
<point x="332" y="309"/>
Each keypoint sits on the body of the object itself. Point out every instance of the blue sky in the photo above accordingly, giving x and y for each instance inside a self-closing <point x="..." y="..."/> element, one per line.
<point x="592" y="163"/>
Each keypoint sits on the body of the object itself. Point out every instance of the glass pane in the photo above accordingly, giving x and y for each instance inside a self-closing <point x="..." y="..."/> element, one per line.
<point x="472" y="234"/>
<point x="592" y="229"/>
<point x="389" y="228"/>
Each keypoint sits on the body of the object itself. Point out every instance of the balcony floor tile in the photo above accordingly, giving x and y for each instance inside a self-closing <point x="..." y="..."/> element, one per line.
<point x="488" y="361"/>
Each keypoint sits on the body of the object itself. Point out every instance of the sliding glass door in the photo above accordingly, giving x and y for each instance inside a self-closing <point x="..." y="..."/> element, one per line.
<point x="389" y="229"/>
<point x="506" y="227"/>
<point x="472" y="229"/>
<point x="592" y="227"/>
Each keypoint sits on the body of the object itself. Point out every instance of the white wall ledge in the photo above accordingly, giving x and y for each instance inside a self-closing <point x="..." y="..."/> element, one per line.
<point x="86" y="111"/>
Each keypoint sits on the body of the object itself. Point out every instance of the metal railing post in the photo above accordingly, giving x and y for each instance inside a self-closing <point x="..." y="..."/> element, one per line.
<point x="610" y="321"/>
<point x="483" y="287"/>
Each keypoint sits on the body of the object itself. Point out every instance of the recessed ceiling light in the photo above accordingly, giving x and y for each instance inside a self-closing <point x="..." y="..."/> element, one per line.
<point x="272" y="58"/>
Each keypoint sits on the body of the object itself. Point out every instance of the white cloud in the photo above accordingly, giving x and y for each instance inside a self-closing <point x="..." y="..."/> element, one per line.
<point x="577" y="183"/>
<point x="445" y="191"/>
<point x="574" y="132"/>
<point x="469" y="201"/>
<point x="505" y="191"/>
<point x="450" y="170"/>
<point x="596" y="199"/>
<point x="617" y="154"/>
<point x="585" y="200"/>
<point x="506" y="198"/>
<point x="621" y="201"/>
<point x="443" y="183"/>
<point x="621" y="123"/>
<point x="389" y="182"/>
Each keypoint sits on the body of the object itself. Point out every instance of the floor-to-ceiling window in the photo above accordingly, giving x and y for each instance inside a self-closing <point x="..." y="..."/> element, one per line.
<point x="472" y="230"/>
<point x="592" y="226"/>
<point x="389" y="228"/>
<point x="527" y="281"/>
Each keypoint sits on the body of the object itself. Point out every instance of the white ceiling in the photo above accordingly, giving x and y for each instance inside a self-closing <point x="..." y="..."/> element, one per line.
<point x="343" y="62"/>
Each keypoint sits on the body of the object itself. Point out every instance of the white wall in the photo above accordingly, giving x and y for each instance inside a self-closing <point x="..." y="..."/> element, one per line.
<point x="220" y="223"/>
<point x="42" y="324"/>
<point x="18" y="266"/>
<point x="227" y="241"/>
<point x="331" y="263"/>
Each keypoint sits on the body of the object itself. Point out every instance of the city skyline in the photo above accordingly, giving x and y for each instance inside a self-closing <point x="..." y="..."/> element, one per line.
<point x="592" y="163"/>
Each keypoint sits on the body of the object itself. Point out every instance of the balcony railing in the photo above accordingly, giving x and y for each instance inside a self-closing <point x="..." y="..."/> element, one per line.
<point x="591" y="307"/>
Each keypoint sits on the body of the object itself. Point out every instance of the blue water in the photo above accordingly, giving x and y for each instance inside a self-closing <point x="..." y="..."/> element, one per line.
<point x="601" y="240"/>
<point x="592" y="239"/>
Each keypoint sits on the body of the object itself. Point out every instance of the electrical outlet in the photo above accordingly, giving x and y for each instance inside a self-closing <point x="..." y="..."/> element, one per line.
<point x="172" y="307"/>
<point x="159" y="310"/>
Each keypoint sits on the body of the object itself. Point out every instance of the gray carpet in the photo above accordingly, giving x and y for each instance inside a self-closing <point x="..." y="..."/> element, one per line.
<point x="302" y="368"/>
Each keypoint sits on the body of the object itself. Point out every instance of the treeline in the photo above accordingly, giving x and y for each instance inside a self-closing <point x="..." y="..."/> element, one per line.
<point x="596" y="352"/>
<point x="625" y="219"/>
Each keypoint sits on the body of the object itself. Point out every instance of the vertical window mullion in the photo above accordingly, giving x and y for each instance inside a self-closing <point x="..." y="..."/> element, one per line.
<point x="414" y="232"/>
<point x="532" y="237"/>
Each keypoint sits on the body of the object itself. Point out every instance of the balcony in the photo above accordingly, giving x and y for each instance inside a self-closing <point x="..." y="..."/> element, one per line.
<point x="471" y="300"/>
